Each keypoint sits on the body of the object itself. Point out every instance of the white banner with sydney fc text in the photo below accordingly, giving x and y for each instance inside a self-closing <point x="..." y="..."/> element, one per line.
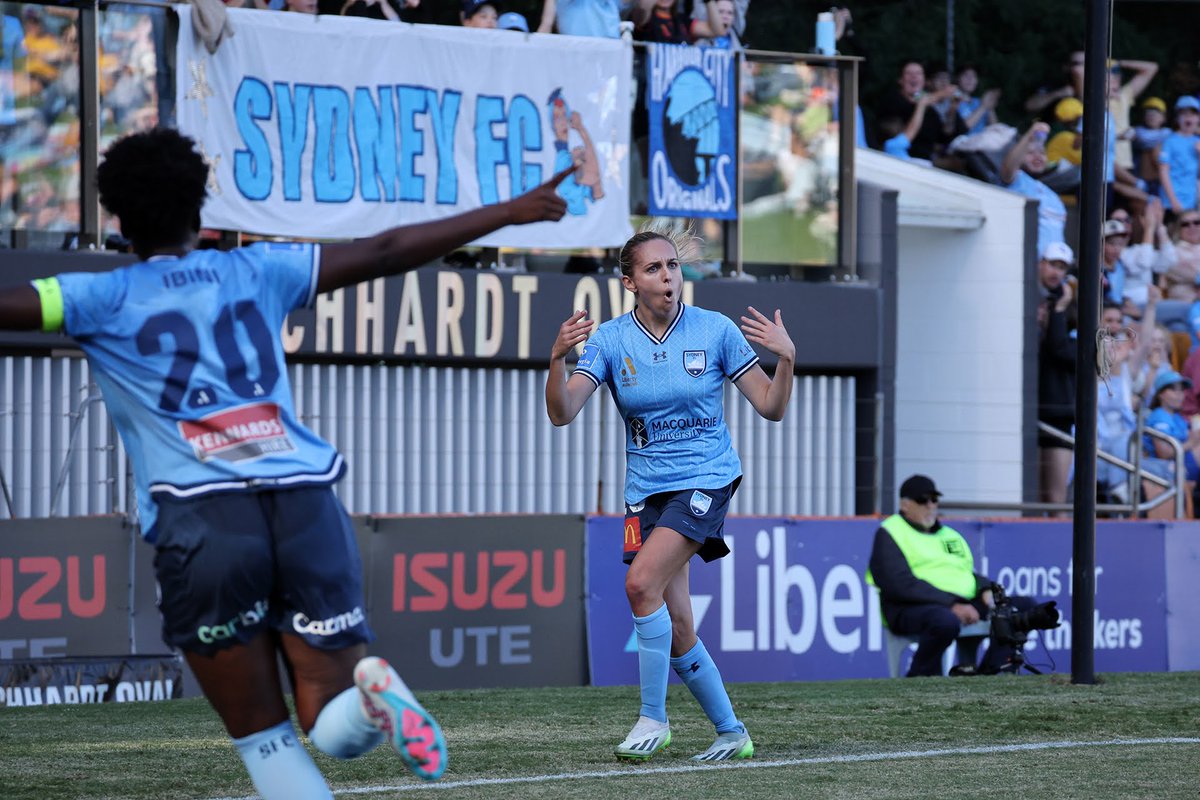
<point x="340" y="127"/>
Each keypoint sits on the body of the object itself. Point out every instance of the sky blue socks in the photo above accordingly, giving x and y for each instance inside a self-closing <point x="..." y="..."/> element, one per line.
<point x="341" y="729"/>
<point x="700" y="674"/>
<point x="280" y="767"/>
<point x="654" y="656"/>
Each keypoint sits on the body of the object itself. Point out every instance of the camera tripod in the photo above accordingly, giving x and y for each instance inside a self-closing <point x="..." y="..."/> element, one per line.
<point x="1017" y="661"/>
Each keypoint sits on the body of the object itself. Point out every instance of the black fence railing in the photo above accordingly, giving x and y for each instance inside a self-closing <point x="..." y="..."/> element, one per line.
<point x="74" y="78"/>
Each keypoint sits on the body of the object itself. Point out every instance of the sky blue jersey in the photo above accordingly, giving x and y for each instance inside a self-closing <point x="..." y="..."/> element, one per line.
<point x="187" y="352"/>
<point x="669" y="393"/>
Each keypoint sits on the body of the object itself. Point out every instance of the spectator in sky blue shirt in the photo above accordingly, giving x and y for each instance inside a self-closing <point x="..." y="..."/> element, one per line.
<point x="1179" y="159"/>
<point x="583" y="17"/>
<point x="976" y="112"/>
<point x="1024" y="162"/>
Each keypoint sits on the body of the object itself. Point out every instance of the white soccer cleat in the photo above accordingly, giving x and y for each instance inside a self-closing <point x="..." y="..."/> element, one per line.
<point x="647" y="738"/>
<point x="389" y="704"/>
<point x="731" y="745"/>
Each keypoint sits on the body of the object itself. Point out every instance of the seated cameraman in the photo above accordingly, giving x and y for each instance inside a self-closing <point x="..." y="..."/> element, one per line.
<point x="928" y="587"/>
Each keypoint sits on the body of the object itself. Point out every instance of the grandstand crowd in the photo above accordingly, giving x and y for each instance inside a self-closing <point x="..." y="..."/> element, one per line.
<point x="943" y="118"/>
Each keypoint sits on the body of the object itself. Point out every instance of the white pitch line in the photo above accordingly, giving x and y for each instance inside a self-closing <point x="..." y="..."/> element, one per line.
<point x="787" y="762"/>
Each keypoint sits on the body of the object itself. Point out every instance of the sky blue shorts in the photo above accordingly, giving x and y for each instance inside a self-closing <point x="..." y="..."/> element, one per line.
<point x="698" y="514"/>
<point x="230" y="566"/>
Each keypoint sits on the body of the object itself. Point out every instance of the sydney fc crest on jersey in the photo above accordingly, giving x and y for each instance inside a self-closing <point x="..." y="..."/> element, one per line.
<point x="694" y="362"/>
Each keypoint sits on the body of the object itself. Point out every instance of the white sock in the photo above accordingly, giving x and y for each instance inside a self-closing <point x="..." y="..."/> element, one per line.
<point x="280" y="767"/>
<point x="341" y="729"/>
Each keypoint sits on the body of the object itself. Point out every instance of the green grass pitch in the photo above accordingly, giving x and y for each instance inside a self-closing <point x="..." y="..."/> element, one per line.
<point x="1127" y="736"/>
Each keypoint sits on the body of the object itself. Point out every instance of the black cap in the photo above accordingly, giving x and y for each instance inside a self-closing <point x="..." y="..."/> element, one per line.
<point x="469" y="7"/>
<point x="919" y="487"/>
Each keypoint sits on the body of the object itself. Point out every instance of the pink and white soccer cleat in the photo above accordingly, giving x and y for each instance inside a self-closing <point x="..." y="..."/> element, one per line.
<point x="389" y="704"/>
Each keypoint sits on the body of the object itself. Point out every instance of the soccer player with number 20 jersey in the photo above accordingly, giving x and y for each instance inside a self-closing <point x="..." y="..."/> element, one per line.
<point x="255" y="556"/>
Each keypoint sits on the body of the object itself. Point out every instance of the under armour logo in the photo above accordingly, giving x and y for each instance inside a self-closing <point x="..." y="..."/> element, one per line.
<point x="660" y="356"/>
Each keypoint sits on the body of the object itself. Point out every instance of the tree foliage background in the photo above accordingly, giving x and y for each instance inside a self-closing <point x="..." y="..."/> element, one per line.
<point x="1016" y="46"/>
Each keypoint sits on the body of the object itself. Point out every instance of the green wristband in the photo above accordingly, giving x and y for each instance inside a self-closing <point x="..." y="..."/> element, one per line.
<point x="50" y="293"/>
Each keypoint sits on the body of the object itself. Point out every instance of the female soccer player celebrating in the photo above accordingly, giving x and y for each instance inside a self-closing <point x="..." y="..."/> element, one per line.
<point x="255" y="555"/>
<point x="665" y="365"/>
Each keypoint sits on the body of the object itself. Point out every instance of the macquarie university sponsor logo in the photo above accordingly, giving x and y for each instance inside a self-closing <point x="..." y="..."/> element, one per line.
<point x="694" y="361"/>
<point x="328" y="627"/>
<point x="678" y="428"/>
<point x="228" y="630"/>
<point x="238" y="434"/>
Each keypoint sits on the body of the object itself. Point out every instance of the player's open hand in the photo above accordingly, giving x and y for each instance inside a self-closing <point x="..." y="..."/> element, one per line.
<point x="543" y="204"/>
<point x="770" y="334"/>
<point x="576" y="329"/>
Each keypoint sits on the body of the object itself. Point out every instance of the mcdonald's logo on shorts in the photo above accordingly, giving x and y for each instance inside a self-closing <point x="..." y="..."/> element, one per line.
<point x="633" y="534"/>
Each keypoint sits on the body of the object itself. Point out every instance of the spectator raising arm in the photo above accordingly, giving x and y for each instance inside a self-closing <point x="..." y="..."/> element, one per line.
<point x="986" y="110"/>
<point x="1157" y="238"/>
<point x="1016" y="154"/>
<point x="1144" y="73"/>
<point x="899" y="145"/>
<point x="1143" y="352"/>
<point x="918" y="115"/>
<point x="549" y="12"/>
<point x="1040" y="101"/>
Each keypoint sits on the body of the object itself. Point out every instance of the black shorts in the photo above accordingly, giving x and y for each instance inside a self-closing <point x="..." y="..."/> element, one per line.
<point x="231" y="565"/>
<point x="698" y="514"/>
<point x="1063" y="424"/>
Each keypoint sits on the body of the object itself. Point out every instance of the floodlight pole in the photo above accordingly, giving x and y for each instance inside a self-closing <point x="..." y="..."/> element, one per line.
<point x="1091" y="213"/>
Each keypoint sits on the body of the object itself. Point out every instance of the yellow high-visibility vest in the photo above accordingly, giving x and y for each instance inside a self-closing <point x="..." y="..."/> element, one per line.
<point x="942" y="559"/>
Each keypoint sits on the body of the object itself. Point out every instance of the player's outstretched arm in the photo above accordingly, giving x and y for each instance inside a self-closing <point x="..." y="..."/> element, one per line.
<point x="769" y="396"/>
<point x="20" y="309"/>
<point x="408" y="246"/>
<point x="566" y="395"/>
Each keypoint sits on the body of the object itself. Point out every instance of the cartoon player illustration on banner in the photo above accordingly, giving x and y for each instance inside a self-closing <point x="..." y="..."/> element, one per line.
<point x="585" y="183"/>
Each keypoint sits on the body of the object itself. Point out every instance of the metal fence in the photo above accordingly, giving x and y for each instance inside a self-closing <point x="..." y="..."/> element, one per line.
<point x="430" y="440"/>
<point x="81" y="77"/>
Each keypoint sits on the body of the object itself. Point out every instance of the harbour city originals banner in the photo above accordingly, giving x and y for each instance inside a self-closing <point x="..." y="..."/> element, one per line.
<point x="691" y="103"/>
<point x="339" y="127"/>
